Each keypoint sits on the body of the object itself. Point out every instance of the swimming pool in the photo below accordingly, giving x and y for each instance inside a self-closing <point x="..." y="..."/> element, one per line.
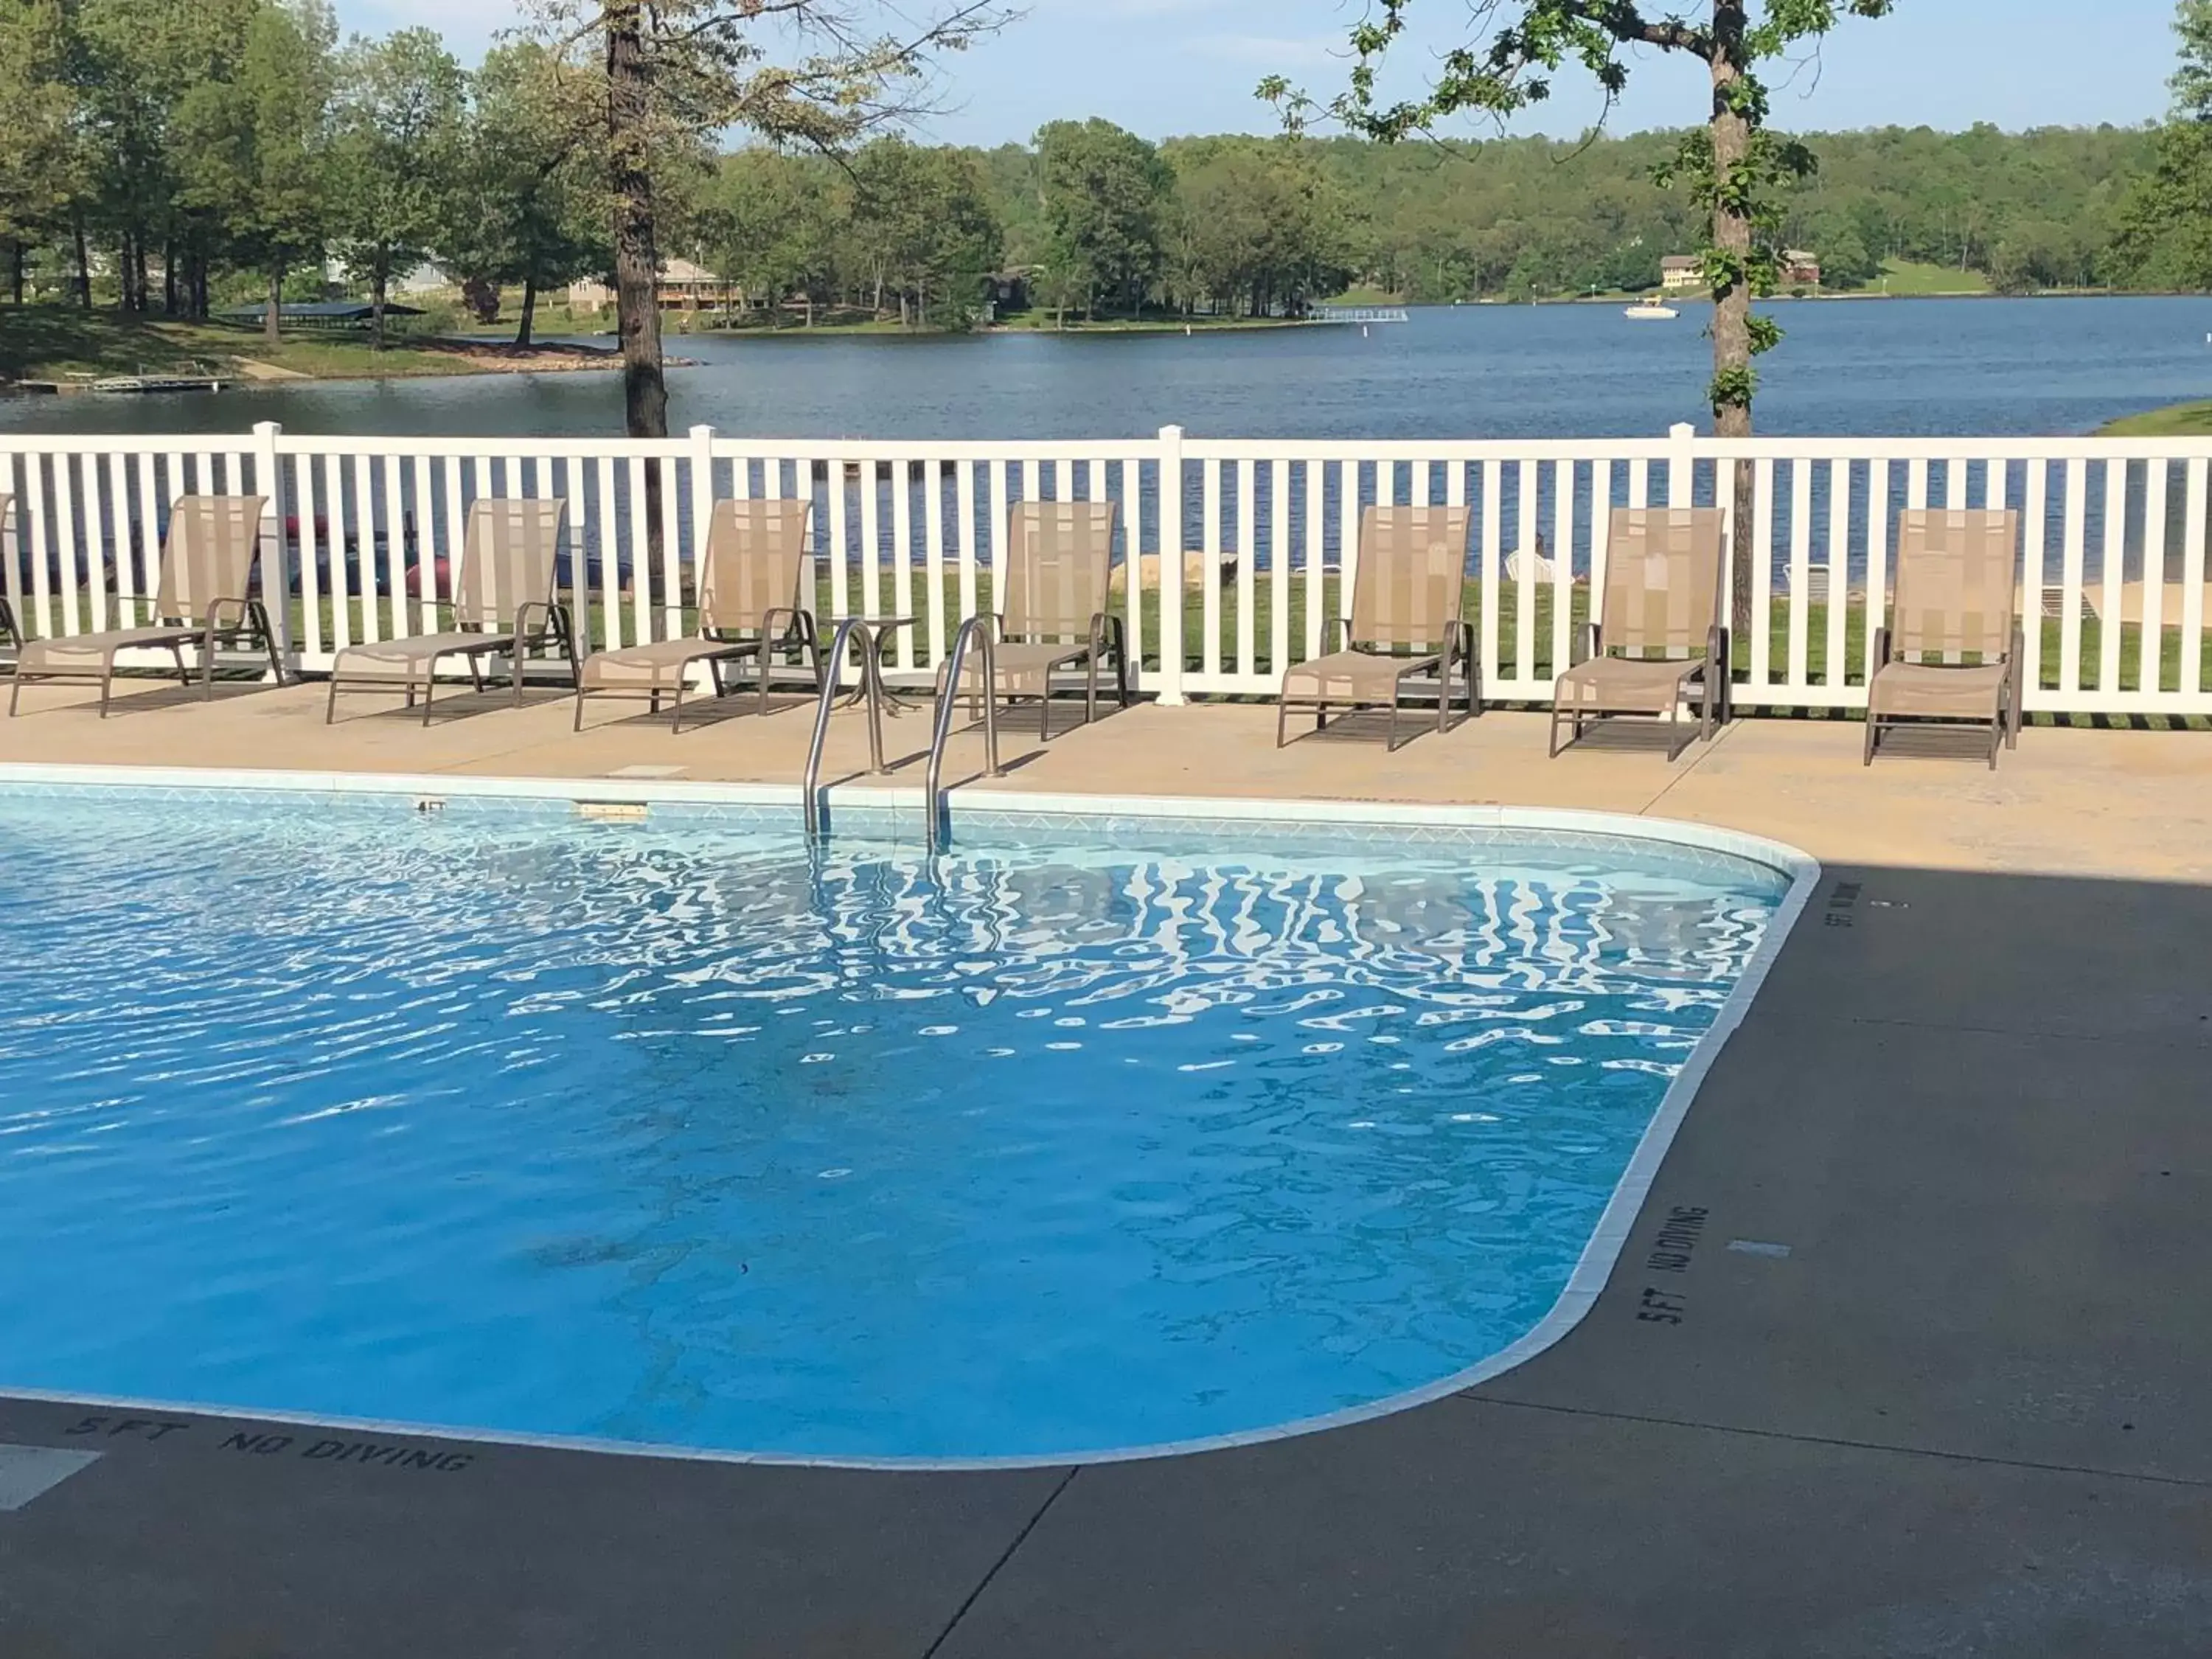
<point x="1085" y="1138"/>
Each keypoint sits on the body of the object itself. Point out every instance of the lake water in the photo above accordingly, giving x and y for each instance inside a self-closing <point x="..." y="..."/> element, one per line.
<point x="1927" y="367"/>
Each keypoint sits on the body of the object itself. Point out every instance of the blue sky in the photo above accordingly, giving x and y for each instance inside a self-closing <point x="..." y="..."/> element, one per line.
<point x="1163" y="67"/>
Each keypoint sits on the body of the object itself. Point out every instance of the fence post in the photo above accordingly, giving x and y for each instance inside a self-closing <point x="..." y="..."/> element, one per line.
<point x="276" y="549"/>
<point x="1681" y="464"/>
<point x="1171" y="561"/>
<point x="702" y="490"/>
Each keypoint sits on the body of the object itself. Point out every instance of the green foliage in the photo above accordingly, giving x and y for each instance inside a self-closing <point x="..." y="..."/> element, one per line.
<point x="1106" y="196"/>
<point x="922" y="225"/>
<point x="1735" y="169"/>
<point x="395" y="150"/>
<point x="526" y="202"/>
<point x="1262" y="228"/>
<point x="256" y="149"/>
<point x="2165" y="238"/>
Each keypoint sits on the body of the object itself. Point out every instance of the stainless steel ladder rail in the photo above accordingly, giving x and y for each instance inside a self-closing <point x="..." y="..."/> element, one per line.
<point x="833" y="664"/>
<point x="933" y="805"/>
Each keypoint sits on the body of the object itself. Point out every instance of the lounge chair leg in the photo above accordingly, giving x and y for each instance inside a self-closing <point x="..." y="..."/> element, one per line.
<point x="1282" y="722"/>
<point x="578" y="724"/>
<point x="430" y="683"/>
<point x="258" y="616"/>
<point x="184" y="675"/>
<point x="207" y="665"/>
<point x="676" y="723"/>
<point x="1090" y="695"/>
<point x="1390" y="742"/>
<point x="106" y="684"/>
<point x="1873" y="732"/>
<point x="331" y="705"/>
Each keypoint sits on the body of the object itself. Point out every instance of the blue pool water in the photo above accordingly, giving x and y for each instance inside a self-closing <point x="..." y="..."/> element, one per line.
<point x="495" y="1119"/>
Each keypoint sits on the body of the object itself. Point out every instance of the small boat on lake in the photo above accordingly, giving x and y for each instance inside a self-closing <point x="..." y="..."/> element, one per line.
<point x="1651" y="311"/>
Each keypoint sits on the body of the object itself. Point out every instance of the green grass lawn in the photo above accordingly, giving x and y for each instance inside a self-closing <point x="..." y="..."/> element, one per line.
<point x="60" y="342"/>
<point x="1909" y="278"/>
<point x="2176" y="421"/>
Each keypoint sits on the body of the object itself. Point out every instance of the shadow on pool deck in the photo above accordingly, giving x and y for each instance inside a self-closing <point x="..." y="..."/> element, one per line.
<point x="1953" y="1405"/>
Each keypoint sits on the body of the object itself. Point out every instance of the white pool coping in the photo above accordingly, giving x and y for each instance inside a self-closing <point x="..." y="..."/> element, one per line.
<point x="1592" y="1270"/>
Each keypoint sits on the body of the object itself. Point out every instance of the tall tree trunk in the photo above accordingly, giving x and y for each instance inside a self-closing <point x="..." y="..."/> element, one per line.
<point x="1731" y="132"/>
<point x="169" y="278"/>
<point x="200" y="285"/>
<point x="274" y="310"/>
<point x="529" y="309"/>
<point x="380" y="280"/>
<point x="637" y="265"/>
<point x="125" y="300"/>
<point x="15" y="269"/>
<point x="138" y="270"/>
<point x="83" y="277"/>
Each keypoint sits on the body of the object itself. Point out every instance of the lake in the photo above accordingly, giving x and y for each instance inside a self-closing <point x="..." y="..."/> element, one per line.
<point x="1917" y="367"/>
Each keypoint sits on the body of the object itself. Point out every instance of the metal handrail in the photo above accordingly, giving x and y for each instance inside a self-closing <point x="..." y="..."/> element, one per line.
<point x="934" y="809"/>
<point x="832" y="664"/>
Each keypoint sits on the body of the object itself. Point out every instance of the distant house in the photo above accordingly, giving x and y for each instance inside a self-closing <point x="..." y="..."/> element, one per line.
<point x="1800" y="269"/>
<point x="423" y="279"/>
<point x="684" y="286"/>
<point x="1681" y="272"/>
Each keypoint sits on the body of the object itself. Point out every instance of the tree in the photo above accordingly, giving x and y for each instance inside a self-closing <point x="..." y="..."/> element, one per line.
<point x="772" y="222"/>
<point x="395" y="155"/>
<point x="2165" y="238"/>
<point x="527" y="203"/>
<point x="39" y="160"/>
<point x="1106" y="196"/>
<point x="1734" y="166"/>
<point x="923" y="225"/>
<point x="255" y="151"/>
<point x="674" y="70"/>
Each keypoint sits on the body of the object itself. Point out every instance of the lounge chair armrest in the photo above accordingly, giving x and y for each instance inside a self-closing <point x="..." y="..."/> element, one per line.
<point x="1338" y="628"/>
<point x="1585" y="644"/>
<point x="1099" y="620"/>
<point x="1881" y="651"/>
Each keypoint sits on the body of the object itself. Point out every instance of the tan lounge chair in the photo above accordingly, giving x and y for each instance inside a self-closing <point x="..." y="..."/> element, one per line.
<point x="504" y="584"/>
<point x="1052" y="607"/>
<point x="751" y="580"/>
<point x="1661" y="602"/>
<point x="11" y="630"/>
<point x="203" y="599"/>
<point x="1408" y="621"/>
<point x="1956" y="579"/>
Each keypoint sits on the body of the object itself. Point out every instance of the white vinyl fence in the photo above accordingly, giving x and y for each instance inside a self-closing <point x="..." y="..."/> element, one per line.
<point x="1258" y="535"/>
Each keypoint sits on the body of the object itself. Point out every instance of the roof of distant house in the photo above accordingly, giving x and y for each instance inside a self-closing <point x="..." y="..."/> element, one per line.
<point x="1681" y="262"/>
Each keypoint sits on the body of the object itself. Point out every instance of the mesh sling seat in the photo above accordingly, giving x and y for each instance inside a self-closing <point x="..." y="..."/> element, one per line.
<point x="1408" y="622"/>
<point x="752" y="588"/>
<point x="1052" y="609"/>
<point x="203" y="599"/>
<point x="1955" y="597"/>
<point x="503" y="586"/>
<point x="1661" y="613"/>
<point x="11" y="632"/>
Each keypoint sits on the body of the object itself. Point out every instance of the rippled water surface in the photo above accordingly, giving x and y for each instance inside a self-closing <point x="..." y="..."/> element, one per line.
<point x="661" y="1134"/>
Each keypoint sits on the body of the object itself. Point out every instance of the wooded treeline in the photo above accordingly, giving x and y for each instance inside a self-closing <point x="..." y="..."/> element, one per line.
<point x="167" y="156"/>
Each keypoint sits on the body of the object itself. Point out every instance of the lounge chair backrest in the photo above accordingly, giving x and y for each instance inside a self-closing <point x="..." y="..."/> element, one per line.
<point x="1662" y="580"/>
<point x="757" y="561"/>
<point x="506" y="560"/>
<point x="208" y="554"/>
<point x="1060" y="559"/>
<point x="1956" y="579"/>
<point x="1410" y="584"/>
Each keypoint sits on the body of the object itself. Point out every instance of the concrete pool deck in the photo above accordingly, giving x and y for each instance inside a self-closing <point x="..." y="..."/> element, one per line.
<point x="1906" y="1356"/>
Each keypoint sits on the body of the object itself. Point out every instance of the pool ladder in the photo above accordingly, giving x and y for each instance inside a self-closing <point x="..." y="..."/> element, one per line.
<point x="935" y="811"/>
<point x="871" y="692"/>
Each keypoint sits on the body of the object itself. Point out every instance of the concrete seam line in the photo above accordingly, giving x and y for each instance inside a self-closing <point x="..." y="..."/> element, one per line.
<point x="1006" y="1555"/>
<point x="1892" y="1449"/>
